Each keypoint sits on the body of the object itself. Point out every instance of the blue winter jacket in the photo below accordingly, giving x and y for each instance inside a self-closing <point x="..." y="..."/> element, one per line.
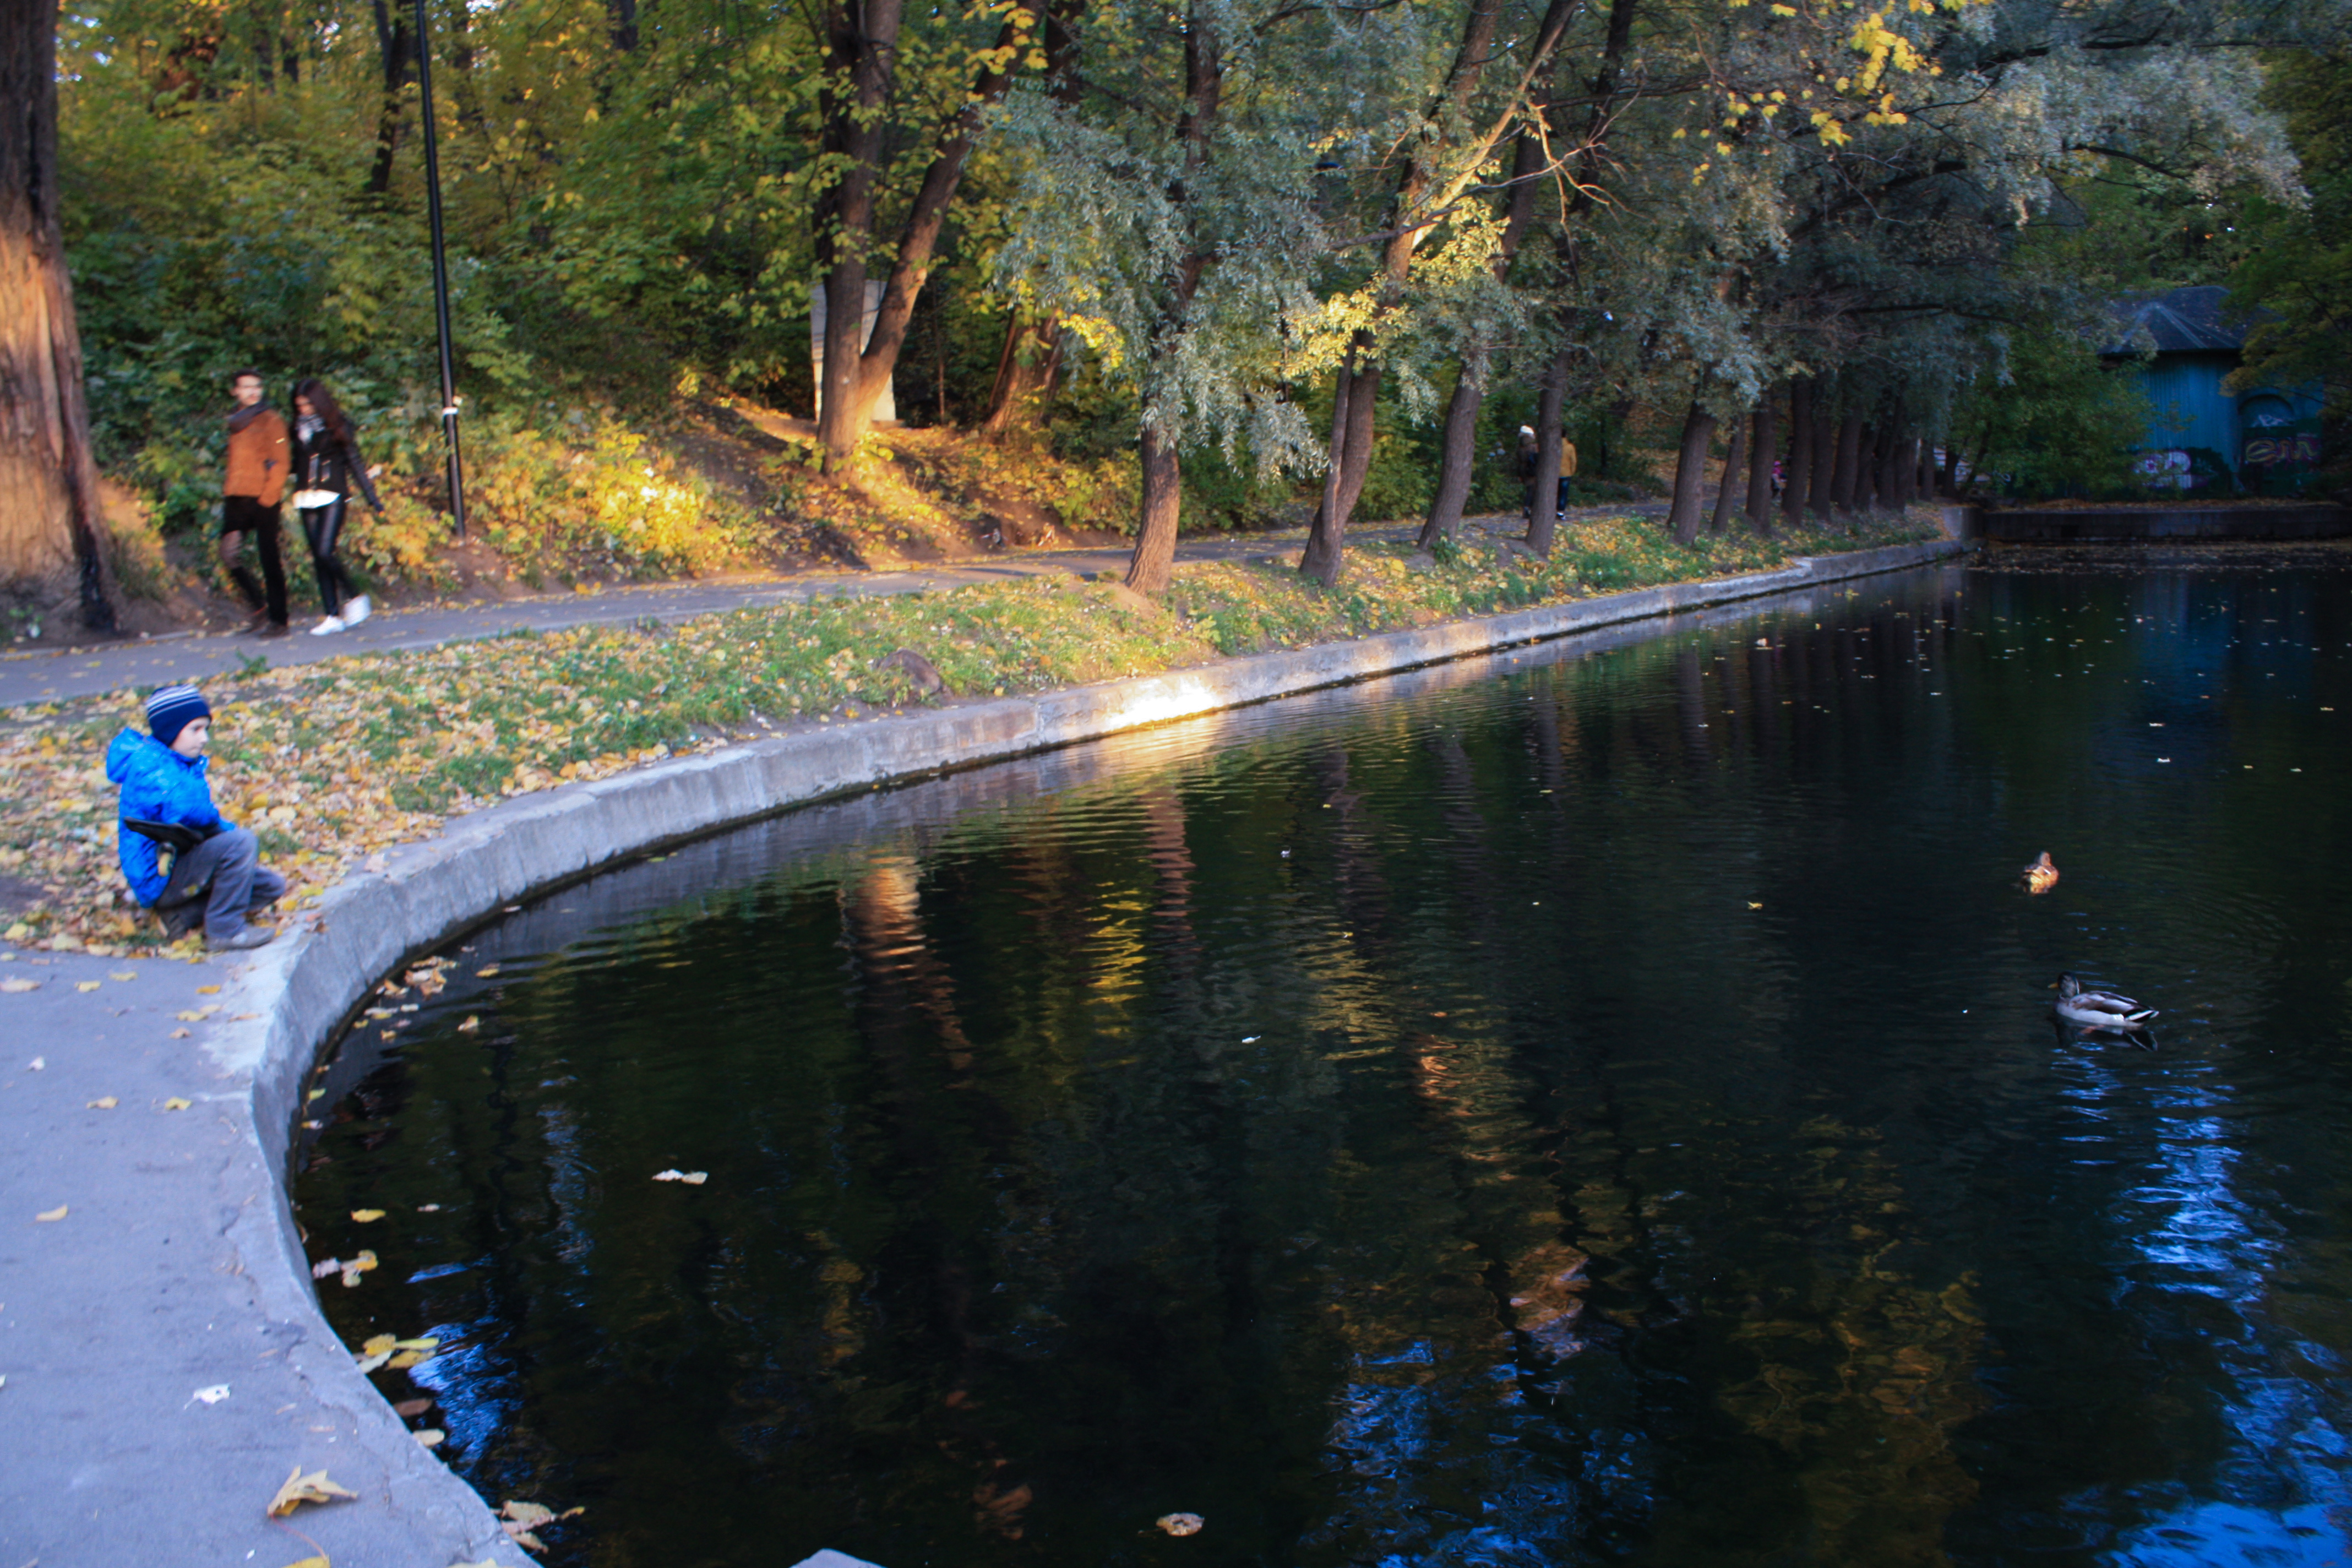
<point x="158" y="785"/>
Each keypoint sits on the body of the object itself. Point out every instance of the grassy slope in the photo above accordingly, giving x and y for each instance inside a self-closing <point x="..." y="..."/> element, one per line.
<point x="331" y="763"/>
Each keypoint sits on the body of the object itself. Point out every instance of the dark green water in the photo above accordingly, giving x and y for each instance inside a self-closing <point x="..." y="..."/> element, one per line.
<point x="1592" y="1106"/>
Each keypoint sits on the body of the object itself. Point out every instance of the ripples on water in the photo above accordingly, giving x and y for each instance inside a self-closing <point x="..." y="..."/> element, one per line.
<point x="1596" y="1105"/>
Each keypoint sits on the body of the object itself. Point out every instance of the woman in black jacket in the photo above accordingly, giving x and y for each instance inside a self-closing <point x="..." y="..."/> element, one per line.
<point x="327" y="463"/>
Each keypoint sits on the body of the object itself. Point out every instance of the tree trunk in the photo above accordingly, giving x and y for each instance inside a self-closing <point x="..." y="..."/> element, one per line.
<point x="624" y="15"/>
<point x="861" y="45"/>
<point x="1024" y="374"/>
<point x="1148" y="568"/>
<point x="1816" y="488"/>
<point x="1543" y="500"/>
<point x="1351" y="400"/>
<point x="1690" y="474"/>
<point x="391" y="48"/>
<point x="1799" y="471"/>
<point x="1457" y="462"/>
<point x="1458" y="453"/>
<point x="1761" y="451"/>
<point x="1849" y="443"/>
<point x="51" y="541"/>
<point x="1732" y="477"/>
<point x="1865" y="470"/>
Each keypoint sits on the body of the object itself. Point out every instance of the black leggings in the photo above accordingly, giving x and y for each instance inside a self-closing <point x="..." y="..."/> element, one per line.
<point x="323" y="526"/>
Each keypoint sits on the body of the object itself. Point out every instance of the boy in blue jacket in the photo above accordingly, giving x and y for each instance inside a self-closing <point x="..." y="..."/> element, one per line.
<point x="162" y="778"/>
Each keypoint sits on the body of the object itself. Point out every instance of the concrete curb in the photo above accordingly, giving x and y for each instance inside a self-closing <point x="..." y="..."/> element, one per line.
<point x="299" y="990"/>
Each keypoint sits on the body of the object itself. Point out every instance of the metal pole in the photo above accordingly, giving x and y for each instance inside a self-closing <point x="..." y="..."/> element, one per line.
<point x="440" y="274"/>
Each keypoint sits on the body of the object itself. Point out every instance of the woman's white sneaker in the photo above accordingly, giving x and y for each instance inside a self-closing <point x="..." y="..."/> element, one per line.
<point x="358" y="610"/>
<point x="328" y="628"/>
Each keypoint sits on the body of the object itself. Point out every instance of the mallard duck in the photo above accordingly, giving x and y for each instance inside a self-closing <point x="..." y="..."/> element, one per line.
<point x="2041" y="876"/>
<point x="2099" y="1009"/>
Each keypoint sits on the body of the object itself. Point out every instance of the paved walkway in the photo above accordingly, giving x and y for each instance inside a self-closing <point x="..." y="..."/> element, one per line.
<point x="196" y="657"/>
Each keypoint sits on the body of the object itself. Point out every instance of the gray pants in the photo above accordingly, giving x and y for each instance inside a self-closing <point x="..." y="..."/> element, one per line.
<point x="226" y="874"/>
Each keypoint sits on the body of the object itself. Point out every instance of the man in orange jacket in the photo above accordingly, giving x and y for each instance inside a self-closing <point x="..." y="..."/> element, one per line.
<point x="257" y="464"/>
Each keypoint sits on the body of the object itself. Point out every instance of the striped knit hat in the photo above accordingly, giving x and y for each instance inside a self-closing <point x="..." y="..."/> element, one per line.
<point x="173" y="709"/>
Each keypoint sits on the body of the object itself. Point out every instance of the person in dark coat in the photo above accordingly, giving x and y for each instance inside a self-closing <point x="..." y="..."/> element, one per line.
<point x="218" y="878"/>
<point x="327" y="464"/>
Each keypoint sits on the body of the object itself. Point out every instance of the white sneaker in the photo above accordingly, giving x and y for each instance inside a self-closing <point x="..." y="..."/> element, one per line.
<point x="358" y="610"/>
<point x="328" y="628"/>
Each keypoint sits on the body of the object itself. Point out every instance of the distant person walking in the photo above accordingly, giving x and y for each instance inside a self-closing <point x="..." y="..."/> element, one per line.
<point x="250" y="498"/>
<point x="327" y="463"/>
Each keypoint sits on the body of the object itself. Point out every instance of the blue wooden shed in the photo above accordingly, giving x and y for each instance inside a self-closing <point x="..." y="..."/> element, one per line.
<point x="2185" y="342"/>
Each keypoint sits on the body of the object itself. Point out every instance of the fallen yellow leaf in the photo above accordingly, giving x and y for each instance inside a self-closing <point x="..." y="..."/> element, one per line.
<point x="88" y="985"/>
<point x="104" y="1102"/>
<point x="311" y="1563"/>
<point x="407" y="1359"/>
<point x="186" y="1017"/>
<point x="179" y="1034"/>
<point x="471" y="1024"/>
<point x="530" y="1515"/>
<point x="357" y="1266"/>
<point x="56" y="1212"/>
<point x="301" y="1488"/>
<point x="176" y="1103"/>
<point x="430" y="1436"/>
<point x="207" y="990"/>
<point x="418" y="1344"/>
<point x="122" y="974"/>
<point x="367" y="1217"/>
<point x="15" y="985"/>
<point x="486" y="970"/>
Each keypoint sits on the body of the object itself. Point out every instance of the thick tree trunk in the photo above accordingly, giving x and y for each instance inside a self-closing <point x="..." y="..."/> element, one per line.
<point x="1817" y="489"/>
<point x="1543" y="500"/>
<point x="1154" y="558"/>
<point x="1690" y="474"/>
<point x="1732" y="477"/>
<point x="1849" y="443"/>
<point x="862" y="45"/>
<point x="1865" y="469"/>
<point x="52" y="544"/>
<point x="1457" y="453"/>
<point x="1798" y="472"/>
<point x="1350" y="410"/>
<point x="624" y="15"/>
<point x="1762" y="447"/>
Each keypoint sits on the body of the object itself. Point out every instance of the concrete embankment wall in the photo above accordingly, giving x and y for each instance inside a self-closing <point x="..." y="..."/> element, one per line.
<point x="301" y="989"/>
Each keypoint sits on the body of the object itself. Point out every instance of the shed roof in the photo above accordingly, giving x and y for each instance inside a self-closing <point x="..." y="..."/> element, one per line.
<point x="2182" y="320"/>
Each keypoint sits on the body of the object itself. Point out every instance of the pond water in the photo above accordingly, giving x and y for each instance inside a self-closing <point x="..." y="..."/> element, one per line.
<point x="1597" y="1104"/>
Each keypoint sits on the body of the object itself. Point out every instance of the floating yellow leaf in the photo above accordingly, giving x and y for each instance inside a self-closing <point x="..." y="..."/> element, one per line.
<point x="471" y="1024"/>
<point x="407" y="1359"/>
<point x="176" y="1103"/>
<point x="691" y="1178"/>
<point x="54" y="1214"/>
<point x="104" y="1102"/>
<point x="367" y="1217"/>
<point x="356" y="1266"/>
<point x="430" y="1436"/>
<point x="486" y="970"/>
<point x="301" y="1488"/>
<point x="530" y="1515"/>
<point x="427" y="1345"/>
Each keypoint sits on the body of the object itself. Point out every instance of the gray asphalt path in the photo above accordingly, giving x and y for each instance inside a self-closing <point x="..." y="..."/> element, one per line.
<point x="115" y="1314"/>
<point x="30" y="678"/>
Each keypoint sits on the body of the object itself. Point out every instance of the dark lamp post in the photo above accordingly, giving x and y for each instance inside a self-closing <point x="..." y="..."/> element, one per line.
<point x="440" y="273"/>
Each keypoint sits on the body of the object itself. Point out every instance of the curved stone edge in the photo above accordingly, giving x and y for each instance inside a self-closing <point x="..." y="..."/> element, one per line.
<point x="297" y="992"/>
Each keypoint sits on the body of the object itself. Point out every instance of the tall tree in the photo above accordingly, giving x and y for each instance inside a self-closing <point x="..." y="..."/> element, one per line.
<point x="50" y="533"/>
